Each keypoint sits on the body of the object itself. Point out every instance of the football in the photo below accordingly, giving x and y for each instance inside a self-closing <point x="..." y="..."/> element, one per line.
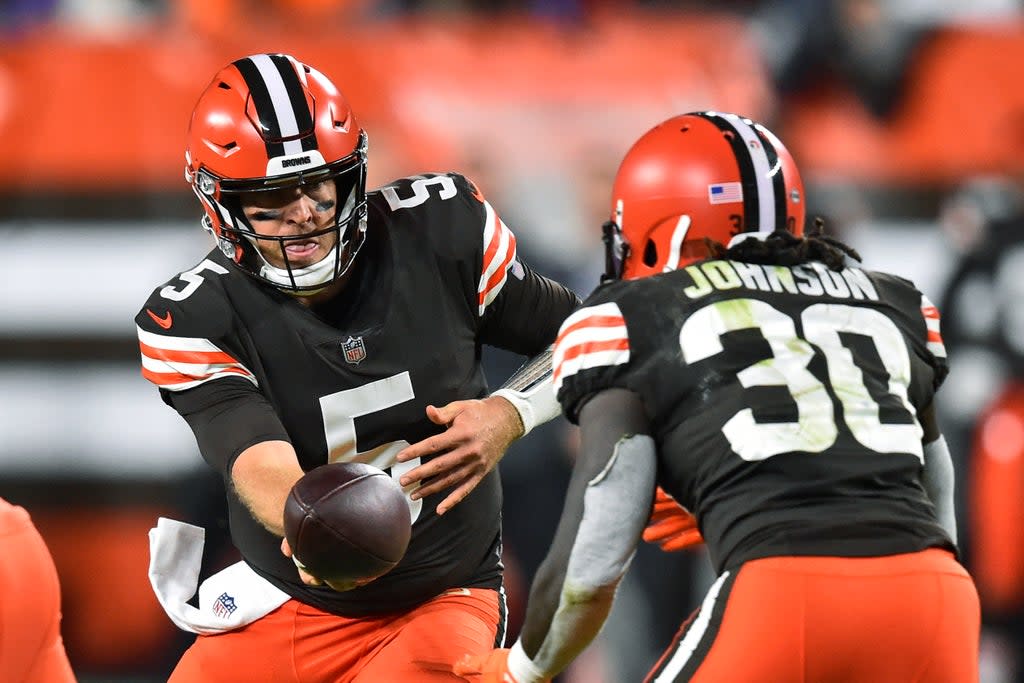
<point x="347" y="523"/>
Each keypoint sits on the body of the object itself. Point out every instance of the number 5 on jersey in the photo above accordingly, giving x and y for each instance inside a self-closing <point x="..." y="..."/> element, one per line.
<point x="340" y="411"/>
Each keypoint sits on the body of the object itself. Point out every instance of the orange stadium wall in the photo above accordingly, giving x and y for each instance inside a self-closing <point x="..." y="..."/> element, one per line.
<point x="92" y="114"/>
<point x="98" y="113"/>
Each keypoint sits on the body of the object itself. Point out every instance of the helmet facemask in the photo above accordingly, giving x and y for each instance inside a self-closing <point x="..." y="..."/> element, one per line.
<point x="249" y="249"/>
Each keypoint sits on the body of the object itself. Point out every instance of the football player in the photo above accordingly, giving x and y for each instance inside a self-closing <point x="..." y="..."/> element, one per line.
<point x="331" y="323"/>
<point x="31" y="647"/>
<point x="781" y="396"/>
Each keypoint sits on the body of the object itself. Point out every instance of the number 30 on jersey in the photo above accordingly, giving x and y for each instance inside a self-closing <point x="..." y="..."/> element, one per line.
<point x="816" y="429"/>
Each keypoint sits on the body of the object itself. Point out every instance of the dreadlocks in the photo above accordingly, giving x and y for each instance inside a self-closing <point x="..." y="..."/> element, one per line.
<point x="782" y="248"/>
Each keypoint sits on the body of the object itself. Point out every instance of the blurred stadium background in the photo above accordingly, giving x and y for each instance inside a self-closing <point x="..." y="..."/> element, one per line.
<point x="905" y="116"/>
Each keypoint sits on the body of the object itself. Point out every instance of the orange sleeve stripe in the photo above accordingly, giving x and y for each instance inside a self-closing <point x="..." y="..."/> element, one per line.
<point x="500" y="273"/>
<point x="492" y="246"/>
<point x="593" y="321"/>
<point x="206" y="357"/>
<point x="934" y="336"/>
<point x="578" y="350"/>
<point x="930" y="312"/>
<point x="173" y="378"/>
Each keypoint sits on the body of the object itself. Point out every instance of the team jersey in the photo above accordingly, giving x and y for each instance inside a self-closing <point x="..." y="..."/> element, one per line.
<point x="350" y="379"/>
<point x="783" y="401"/>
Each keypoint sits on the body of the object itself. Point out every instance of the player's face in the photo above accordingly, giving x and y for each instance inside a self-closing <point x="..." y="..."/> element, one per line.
<point x="294" y="212"/>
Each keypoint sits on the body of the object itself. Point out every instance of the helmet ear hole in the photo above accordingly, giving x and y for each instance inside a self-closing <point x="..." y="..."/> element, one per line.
<point x="650" y="254"/>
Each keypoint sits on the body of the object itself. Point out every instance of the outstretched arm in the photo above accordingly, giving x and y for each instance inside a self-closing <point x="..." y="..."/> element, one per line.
<point x="607" y="506"/>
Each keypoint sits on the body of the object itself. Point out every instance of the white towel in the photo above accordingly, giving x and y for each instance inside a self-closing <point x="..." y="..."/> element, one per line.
<point x="231" y="598"/>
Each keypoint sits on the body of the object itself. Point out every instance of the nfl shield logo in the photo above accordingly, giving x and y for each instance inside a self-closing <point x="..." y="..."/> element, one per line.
<point x="224" y="606"/>
<point x="355" y="350"/>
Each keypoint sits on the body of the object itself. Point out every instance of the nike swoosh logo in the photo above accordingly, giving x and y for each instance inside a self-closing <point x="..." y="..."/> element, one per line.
<point x="164" y="322"/>
<point x="456" y="591"/>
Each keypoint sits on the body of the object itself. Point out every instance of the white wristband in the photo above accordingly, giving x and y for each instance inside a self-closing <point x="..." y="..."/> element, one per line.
<point x="522" y="667"/>
<point x="534" y="408"/>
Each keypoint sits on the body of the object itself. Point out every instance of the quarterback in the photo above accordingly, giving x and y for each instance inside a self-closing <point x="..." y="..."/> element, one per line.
<point x="334" y="324"/>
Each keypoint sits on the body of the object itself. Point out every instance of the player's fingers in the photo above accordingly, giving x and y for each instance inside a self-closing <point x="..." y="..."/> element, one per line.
<point x="306" y="577"/>
<point x="441" y="482"/>
<point x="682" y="541"/>
<point x="428" y="470"/>
<point x="666" y="508"/>
<point x="676" y="524"/>
<point x="446" y="414"/>
<point x="432" y="445"/>
<point x="668" y="514"/>
<point x="456" y="496"/>
<point x="656" y="533"/>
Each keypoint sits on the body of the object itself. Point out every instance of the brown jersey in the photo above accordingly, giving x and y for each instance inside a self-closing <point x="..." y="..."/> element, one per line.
<point x="784" y="401"/>
<point x="349" y="380"/>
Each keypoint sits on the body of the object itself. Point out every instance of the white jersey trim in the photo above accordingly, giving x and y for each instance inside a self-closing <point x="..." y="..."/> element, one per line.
<point x="591" y="337"/>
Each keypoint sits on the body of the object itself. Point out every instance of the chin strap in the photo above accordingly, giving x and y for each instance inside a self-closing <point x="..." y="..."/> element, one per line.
<point x="320" y="273"/>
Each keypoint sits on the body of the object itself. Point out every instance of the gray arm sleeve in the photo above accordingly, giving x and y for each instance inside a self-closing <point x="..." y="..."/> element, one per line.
<point x="606" y="508"/>
<point x="615" y="510"/>
<point x="938" y="479"/>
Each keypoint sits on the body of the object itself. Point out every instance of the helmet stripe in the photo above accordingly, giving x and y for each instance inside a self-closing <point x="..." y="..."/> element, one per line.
<point x="280" y="104"/>
<point x="284" y="112"/>
<point x="759" y="204"/>
<point x="265" y="110"/>
<point x="762" y="173"/>
<point x="297" y="99"/>
<point x="778" y="179"/>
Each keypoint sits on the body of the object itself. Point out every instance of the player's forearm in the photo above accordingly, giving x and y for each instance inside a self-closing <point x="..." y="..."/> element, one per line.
<point x="939" y="482"/>
<point x="262" y="476"/>
<point x="616" y="504"/>
<point x="578" y="621"/>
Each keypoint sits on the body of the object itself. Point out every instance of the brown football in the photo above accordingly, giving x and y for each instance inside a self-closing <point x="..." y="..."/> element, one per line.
<point x="347" y="522"/>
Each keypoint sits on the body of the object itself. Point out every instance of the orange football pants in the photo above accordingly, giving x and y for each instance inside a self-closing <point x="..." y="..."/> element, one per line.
<point x="910" y="618"/>
<point x="31" y="648"/>
<point x="297" y="643"/>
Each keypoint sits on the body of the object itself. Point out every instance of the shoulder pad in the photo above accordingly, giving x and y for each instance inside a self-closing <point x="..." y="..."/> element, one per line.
<point x="183" y="328"/>
<point x="425" y="189"/>
<point x="191" y="304"/>
<point x="593" y="336"/>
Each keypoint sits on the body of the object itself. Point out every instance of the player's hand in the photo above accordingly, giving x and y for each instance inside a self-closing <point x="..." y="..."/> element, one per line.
<point x="306" y="577"/>
<point x="670" y="525"/>
<point x="491" y="667"/>
<point x="311" y="580"/>
<point x="478" y="434"/>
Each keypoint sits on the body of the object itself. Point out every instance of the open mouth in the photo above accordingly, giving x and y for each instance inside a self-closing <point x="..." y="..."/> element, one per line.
<point x="299" y="250"/>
